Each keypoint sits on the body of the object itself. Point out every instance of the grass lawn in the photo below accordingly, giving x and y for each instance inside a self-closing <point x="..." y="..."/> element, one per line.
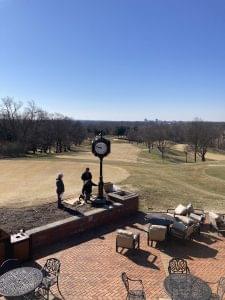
<point x="31" y="181"/>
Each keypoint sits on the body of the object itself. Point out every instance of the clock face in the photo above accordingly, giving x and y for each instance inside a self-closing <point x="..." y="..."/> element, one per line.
<point x="100" y="148"/>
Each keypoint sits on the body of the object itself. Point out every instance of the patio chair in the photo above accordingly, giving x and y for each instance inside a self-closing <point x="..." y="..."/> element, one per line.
<point x="8" y="265"/>
<point x="156" y="233"/>
<point x="127" y="239"/>
<point x="195" y="214"/>
<point x="220" y="290"/>
<point x="217" y="221"/>
<point x="40" y="293"/>
<point x="133" y="294"/>
<point x="51" y="271"/>
<point x="178" y="265"/>
<point x="181" y="231"/>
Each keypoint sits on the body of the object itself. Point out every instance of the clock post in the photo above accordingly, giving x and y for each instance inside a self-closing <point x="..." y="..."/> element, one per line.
<point x="101" y="147"/>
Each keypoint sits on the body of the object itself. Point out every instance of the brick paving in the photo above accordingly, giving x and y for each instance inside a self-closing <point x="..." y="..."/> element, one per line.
<point x="91" y="268"/>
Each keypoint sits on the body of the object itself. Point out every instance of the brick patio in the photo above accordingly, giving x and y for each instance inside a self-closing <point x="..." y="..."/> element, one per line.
<point x="91" y="268"/>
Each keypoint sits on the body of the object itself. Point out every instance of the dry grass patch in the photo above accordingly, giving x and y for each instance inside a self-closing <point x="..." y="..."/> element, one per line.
<point x="31" y="182"/>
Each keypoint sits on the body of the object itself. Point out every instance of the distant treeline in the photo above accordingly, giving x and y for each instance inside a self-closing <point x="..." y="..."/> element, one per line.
<point x="197" y="135"/>
<point x="31" y="129"/>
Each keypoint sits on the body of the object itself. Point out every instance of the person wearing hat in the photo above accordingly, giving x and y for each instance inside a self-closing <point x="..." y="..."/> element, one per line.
<point x="60" y="189"/>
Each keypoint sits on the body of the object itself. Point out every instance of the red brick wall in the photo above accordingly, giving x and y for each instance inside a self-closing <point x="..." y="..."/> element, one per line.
<point x="54" y="232"/>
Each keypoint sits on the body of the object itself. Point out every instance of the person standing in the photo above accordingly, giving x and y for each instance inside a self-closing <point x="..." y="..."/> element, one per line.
<point x="86" y="175"/>
<point x="60" y="189"/>
<point x="87" y="189"/>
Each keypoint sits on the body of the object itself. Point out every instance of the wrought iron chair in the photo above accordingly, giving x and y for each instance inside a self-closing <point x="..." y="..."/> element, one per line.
<point x="131" y="293"/>
<point x="40" y="293"/>
<point x="220" y="290"/>
<point x="178" y="265"/>
<point x="8" y="265"/>
<point x="51" y="272"/>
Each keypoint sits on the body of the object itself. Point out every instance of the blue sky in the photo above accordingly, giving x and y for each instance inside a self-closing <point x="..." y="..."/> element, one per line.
<point x="115" y="59"/>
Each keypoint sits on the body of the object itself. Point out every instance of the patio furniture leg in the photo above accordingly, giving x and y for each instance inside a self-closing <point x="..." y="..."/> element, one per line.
<point x="138" y="241"/>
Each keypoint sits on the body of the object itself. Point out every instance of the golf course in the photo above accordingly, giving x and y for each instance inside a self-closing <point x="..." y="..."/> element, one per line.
<point x="160" y="183"/>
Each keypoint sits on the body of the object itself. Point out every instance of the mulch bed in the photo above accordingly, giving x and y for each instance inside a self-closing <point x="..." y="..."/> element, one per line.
<point x="14" y="219"/>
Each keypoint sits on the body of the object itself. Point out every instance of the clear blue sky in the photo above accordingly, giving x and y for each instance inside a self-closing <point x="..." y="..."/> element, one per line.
<point x="116" y="59"/>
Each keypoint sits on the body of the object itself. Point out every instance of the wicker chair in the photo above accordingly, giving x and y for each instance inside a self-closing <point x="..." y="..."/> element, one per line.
<point x="8" y="265"/>
<point x="220" y="290"/>
<point x="178" y="265"/>
<point x="131" y="293"/>
<point x="50" y="272"/>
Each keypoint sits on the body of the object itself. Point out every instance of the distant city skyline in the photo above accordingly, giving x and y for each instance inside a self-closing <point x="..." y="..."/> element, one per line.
<point x="116" y="59"/>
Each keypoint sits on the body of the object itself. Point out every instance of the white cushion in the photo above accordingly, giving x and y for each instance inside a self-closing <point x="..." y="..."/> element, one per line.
<point x="180" y="210"/>
<point x="213" y="215"/>
<point x="157" y="232"/>
<point x="190" y="208"/>
<point x="124" y="232"/>
<point x="184" y="219"/>
<point x="197" y="218"/>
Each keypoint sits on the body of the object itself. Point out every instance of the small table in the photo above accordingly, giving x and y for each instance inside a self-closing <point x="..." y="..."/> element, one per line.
<point x="187" y="287"/>
<point x="20" y="281"/>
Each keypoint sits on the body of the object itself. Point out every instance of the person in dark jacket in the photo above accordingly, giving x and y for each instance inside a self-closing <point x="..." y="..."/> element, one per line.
<point x="87" y="189"/>
<point x="60" y="189"/>
<point x="86" y="175"/>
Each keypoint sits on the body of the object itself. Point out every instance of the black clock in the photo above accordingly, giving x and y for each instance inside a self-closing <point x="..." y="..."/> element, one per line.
<point x="101" y="147"/>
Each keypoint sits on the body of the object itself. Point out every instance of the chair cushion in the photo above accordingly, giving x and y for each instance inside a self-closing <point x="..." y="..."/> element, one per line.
<point x="180" y="210"/>
<point x="214" y="216"/>
<point x="198" y="218"/>
<point x="125" y="241"/>
<point x="157" y="232"/>
<point x="190" y="208"/>
<point x="124" y="232"/>
<point x="184" y="219"/>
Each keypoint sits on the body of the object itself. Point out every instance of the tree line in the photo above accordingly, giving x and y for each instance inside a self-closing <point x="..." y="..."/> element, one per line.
<point x="31" y="129"/>
<point x="197" y="136"/>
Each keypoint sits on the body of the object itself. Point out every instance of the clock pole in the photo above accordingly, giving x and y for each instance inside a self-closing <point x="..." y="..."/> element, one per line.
<point x="100" y="148"/>
<point x="101" y="183"/>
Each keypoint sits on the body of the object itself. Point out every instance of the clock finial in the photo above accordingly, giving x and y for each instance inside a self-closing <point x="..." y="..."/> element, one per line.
<point x="101" y="133"/>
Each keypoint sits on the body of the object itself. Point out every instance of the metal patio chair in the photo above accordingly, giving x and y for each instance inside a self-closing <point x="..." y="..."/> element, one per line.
<point x="178" y="265"/>
<point x="51" y="271"/>
<point x="220" y="292"/>
<point x="133" y="294"/>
